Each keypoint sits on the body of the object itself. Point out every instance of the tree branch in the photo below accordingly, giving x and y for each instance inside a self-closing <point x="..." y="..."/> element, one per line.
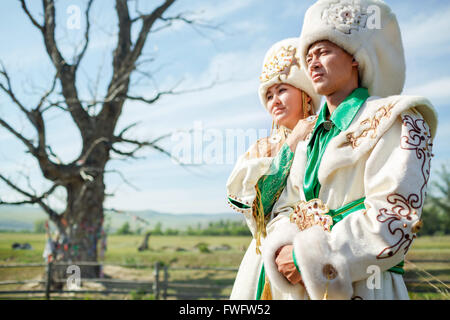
<point x="25" y="9"/>
<point x="47" y="93"/>
<point x="8" y="90"/>
<point x="86" y="35"/>
<point x="122" y="176"/>
<point x="147" y="24"/>
<point x="125" y="57"/>
<point x="141" y="144"/>
<point x="50" y="170"/>
<point x="28" y="143"/>
<point x="35" y="117"/>
<point x="170" y="92"/>
<point x="65" y="72"/>
<point x="183" y="18"/>
<point x="33" y="198"/>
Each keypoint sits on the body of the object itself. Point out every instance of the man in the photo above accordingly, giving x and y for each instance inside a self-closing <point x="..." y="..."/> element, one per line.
<point x="363" y="185"/>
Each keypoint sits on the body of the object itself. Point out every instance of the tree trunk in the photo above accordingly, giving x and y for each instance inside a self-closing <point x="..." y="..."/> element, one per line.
<point x="80" y="225"/>
<point x="81" y="228"/>
<point x="144" y="244"/>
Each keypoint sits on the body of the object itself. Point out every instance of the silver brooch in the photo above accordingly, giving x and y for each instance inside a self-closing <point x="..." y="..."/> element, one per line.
<point x="328" y="125"/>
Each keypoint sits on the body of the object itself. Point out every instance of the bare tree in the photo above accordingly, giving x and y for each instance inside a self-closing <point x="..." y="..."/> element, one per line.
<point x="80" y="223"/>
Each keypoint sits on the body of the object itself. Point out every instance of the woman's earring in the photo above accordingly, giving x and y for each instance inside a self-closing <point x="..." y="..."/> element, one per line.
<point x="306" y="110"/>
<point x="274" y="126"/>
<point x="306" y="105"/>
<point x="310" y="111"/>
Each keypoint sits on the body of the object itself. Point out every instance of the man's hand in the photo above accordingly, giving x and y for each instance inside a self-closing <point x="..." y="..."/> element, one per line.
<point x="286" y="266"/>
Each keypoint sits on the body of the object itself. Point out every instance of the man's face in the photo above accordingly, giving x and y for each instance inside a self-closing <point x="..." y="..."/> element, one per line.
<point x="330" y="67"/>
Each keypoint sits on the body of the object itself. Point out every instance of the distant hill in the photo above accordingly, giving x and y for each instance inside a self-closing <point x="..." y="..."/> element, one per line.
<point x="17" y="218"/>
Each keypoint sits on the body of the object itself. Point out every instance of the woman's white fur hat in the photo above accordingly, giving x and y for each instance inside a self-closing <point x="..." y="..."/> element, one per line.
<point x="366" y="29"/>
<point x="282" y="65"/>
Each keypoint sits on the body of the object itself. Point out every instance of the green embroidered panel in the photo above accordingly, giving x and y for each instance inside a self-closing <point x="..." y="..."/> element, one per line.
<point x="272" y="184"/>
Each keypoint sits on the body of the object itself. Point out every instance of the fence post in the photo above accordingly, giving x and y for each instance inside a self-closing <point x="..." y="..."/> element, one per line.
<point x="165" y="282"/>
<point x="156" y="283"/>
<point x="48" y="280"/>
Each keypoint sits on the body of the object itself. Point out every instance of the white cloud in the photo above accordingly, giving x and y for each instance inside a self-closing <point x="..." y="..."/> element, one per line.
<point x="294" y="9"/>
<point x="436" y="90"/>
<point x="243" y="120"/>
<point x="443" y="134"/>
<point x="249" y="27"/>
<point x="425" y="33"/>
<point x="211" y="13"/>
<point x="218" y="10"/>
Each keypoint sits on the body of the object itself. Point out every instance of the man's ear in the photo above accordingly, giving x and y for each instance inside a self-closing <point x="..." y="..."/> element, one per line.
<point x="355" y="63"/>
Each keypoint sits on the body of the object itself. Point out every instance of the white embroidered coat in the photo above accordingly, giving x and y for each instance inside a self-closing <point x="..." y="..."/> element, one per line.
<point x="384" y="156"/>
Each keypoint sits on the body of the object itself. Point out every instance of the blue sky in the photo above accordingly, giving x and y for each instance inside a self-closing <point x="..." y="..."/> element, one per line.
<point x="192" y="58"/>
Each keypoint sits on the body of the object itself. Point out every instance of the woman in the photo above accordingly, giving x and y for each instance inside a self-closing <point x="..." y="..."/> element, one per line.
<point x="260" y="175"/>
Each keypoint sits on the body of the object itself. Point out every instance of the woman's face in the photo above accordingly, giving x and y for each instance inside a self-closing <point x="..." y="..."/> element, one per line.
<point x="285" y="104"/>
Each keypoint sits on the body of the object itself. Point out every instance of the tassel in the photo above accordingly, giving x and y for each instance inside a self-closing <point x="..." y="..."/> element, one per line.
<point x="267" y="293"/>
<point x="325" y="296"/>
<point x="258" y="213"/>
<point x="258" y="210"/>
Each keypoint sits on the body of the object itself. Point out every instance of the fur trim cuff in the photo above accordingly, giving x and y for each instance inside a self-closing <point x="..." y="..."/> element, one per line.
<point x="283" y="235"/>
<point x="316" y="260"/>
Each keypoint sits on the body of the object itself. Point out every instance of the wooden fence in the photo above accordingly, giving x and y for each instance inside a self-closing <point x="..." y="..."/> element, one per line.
<point x="159" y="287"/>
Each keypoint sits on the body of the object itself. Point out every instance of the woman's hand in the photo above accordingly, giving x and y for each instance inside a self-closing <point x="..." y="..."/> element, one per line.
<point x="301" y="131"/>
<point x="286" y="266"/>
<point x="304" y="127"/>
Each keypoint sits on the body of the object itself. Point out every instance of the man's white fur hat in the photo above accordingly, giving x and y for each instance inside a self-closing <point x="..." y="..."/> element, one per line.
<point x="282" y="65"/>
<point x="366" y="29"/>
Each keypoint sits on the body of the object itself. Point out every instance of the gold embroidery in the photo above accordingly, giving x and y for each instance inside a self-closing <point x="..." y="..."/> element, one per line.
<point x="353" y="140"/>
<point x="417" y="226"/>
<point x="313" y="212"/>
<point x="280" y="64"/>
<point x="269" y="146"/>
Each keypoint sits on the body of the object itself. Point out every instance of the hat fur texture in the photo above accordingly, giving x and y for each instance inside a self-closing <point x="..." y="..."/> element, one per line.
<point x="282" y="65"/>
<point x="366" y="29"/>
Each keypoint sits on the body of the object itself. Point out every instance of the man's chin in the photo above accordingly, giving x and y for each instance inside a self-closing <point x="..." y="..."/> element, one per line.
<point x="321" y="88"/>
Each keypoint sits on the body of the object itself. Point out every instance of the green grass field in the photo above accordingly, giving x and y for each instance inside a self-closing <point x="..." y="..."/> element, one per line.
<point x="181" y="251"/>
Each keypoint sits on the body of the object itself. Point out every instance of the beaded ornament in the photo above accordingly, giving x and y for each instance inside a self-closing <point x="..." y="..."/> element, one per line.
<point x="345" y="16"/>
<point x="279" y="64"/>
